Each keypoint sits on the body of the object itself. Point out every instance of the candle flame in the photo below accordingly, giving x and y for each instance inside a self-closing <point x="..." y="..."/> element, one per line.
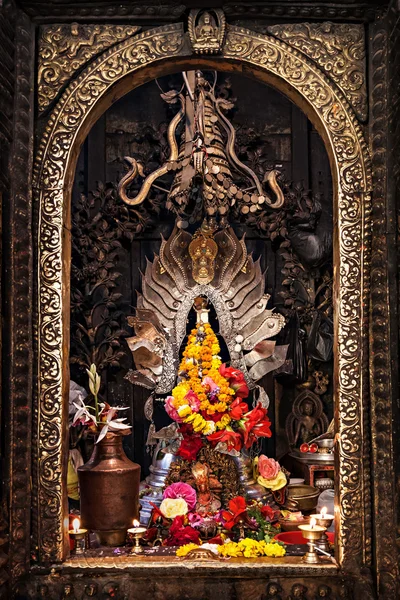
<point x="136" y="523"/>
<point x="75" y="525"/>
<point x="324" y="510"/>
<point x="312" y="523"/>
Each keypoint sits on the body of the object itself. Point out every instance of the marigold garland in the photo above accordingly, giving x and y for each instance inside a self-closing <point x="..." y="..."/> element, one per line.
<point x="208" y="402"/>
<point x="251" y="549"/>
<point x="183" y="550"/>
<point x="201" y="360"/>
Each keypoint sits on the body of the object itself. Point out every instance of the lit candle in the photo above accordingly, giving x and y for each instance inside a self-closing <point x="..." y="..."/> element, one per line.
<point x="78" y="535"/>
<point x="75" y="525"/>
<point x="313" y="523"/>
<point x="136" y="528"/>
<point x="137" y="532"/>
<point x="323" y="520"/>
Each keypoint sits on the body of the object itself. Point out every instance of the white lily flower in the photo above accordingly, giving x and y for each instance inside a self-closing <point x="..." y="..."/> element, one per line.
<point x="82" y="413"/>
<point x="113" y="425"/>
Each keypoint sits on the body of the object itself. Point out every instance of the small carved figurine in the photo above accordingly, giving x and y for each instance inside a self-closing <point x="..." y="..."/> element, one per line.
<point x="91" y="590"/>
<point x="203" y="251"/>
<point x="307" y="419"/>
<point x="298" y="591"/>
<point x="68" y="592"/>
<point x="324" y="591"/>
<point x="273" y="590"/>
<point x="208" y="487"/>
<point x="206" y="30"/>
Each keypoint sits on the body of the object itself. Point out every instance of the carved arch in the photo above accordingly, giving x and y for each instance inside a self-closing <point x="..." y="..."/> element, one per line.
<point x="119" y="69"/>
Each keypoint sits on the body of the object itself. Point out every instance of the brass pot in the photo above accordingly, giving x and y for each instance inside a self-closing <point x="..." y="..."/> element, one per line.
<point x="301" y="497"/>
<point x="109" y="490"/>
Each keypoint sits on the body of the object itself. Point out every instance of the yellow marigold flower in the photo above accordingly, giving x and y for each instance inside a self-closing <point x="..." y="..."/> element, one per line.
<point x="197" y="422"/>
<point x="230" y="549"/>
<point x="183" y="550"/>
<point x="273" y="550"/>
<point x="223" y="422"/>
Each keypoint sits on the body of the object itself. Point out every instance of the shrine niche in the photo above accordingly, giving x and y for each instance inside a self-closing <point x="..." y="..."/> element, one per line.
<point x="149" y="344"/>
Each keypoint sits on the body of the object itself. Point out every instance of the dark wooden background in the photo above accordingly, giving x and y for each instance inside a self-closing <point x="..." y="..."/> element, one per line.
<point x="289" y="142"/>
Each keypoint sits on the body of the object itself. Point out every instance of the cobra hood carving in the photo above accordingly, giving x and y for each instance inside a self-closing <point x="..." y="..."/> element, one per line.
<point x="237" y="292"/>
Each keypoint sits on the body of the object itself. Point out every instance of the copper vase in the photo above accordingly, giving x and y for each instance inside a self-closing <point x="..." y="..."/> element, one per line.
<point x="109" y="490"/>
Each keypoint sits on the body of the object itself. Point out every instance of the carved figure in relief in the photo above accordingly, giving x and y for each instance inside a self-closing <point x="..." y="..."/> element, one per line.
<point x="324" y="591"/>
<point x="208" y="487"/>
<point x="203" y="251"/>
<point x="273" y="590"/>
<point x="298" y="591"/>
<point x="307" y="419"/>
<point x="206" y="30"/>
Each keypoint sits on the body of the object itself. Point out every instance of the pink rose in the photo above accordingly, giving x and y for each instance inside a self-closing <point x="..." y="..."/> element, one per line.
<point x="181" y="490"/>
<point x="193" y="401"/>
<point x="211" y="386"/>
<point x="171" y="410"/>
<point x="268" y="467"/>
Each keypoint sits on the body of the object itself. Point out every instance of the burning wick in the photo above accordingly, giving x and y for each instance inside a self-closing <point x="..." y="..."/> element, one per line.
<point x="75" y="525"/>
<point x="136" y="523"/>
<point x="324" y="510"/>
<point x="312" y="523"/>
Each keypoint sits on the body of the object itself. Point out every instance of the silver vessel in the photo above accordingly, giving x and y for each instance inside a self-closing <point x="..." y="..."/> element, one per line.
<point x="152" y="486"/>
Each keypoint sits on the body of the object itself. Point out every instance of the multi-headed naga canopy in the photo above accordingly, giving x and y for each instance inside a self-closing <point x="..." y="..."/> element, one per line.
<point x="206" y="160"/>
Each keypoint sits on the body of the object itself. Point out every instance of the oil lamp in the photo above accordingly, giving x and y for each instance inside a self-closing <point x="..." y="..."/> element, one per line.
<point x="312" y="532"/>
<point x="137" y="533"/>
<point x="324" y="520"/>
<point x="78" y="535"/>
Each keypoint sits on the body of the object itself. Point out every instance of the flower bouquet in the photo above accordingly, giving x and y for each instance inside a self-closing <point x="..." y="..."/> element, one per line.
<point x="250" y="519"/>
<point x="100" y="418"/>
<point x="177" y="516"/>
<point x="208" y="401"/>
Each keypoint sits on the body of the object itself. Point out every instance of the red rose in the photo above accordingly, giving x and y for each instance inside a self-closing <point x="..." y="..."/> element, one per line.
<point x="190" y="446"/>
<point x="180" y="534"/>
<point x="236" y="380"/>
<point x="232" y="439"/>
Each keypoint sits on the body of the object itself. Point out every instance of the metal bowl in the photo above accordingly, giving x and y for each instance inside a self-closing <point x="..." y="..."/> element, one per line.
<point x="328" y="443"/>
<point x="302" y="497"/>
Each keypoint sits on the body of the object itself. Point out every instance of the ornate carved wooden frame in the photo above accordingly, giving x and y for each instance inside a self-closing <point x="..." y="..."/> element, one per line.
<point x="130" y="63"/>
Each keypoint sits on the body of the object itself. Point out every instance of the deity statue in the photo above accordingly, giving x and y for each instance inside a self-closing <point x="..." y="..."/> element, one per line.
<point x="208" y="487"/>
<point x="307" y="419"/>
<point x="206" y="30"/>
<point x="203" y="251"/>
<point x="308" y="428"/>
<point x="200" y="306"/>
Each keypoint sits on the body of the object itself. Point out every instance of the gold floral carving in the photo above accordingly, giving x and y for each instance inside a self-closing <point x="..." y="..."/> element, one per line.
<point x="64" y="49"/>
<point x="352" y="267"/>
<point x="292" y="72"/>
<point x="49" y="178"/>
<point x="339" y="49"/>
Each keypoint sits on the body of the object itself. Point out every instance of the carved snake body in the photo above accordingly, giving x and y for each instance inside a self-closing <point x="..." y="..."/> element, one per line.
<point x="270" y="177"/>
<point x="137" y="168"/>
